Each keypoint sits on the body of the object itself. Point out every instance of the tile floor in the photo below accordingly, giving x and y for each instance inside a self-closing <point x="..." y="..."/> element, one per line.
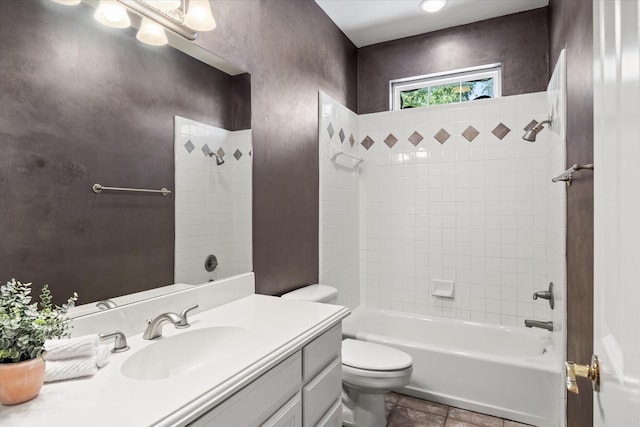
<point x="406" y="411"/>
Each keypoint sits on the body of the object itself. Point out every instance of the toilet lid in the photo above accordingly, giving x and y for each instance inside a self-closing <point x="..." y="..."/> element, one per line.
<point x="373" y="357"/>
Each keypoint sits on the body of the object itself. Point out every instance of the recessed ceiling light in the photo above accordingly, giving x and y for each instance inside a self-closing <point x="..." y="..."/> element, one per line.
<point x="432" y="6"/>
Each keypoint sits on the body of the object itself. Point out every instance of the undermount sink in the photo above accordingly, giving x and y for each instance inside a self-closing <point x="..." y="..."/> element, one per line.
<point x="186" y="352"/>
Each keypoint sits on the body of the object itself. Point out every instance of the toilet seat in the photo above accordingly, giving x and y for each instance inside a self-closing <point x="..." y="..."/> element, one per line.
<point x="374" y="358"/>
<point x="348" y="371"/>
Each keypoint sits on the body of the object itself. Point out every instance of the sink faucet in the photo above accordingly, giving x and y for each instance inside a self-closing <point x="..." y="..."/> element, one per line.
<point x="180" y="321"/>
<point x="539" y="324"/>
<point x="154" y="329"/>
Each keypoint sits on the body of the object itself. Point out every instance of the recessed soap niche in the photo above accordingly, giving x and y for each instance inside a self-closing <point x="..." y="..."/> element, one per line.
<point x="443" y="288"/>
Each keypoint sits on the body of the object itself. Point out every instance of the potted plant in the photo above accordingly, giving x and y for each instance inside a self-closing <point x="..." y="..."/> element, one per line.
<point x="24" y="326"/>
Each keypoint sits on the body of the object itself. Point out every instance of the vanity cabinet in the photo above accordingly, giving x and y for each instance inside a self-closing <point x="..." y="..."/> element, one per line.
<point x="302" y="391"/>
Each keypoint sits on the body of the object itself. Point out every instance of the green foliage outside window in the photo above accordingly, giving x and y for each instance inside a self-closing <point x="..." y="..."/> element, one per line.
<point x="447" y="94"/>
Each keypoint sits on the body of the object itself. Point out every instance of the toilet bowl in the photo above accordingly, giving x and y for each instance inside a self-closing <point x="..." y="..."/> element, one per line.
<point x="368" y="369"/>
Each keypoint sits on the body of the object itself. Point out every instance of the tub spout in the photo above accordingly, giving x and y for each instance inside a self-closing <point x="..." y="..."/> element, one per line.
<point x="539" y="324"/>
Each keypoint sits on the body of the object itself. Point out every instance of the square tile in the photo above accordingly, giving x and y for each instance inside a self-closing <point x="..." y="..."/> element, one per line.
<point x="475" y="418"/>
<point x="390" y="140"/>
<point x="367" y="142"/>
<point x="206" y="150"/>
<point x="220" y="152"/>
<point x="330" y="130"/>
<point x="415" y="138"/>
<point x="237" y="154"/>
<point x="341" y="135"/>
<point x="500" y="131"/>
<point x="422" y="405"/>
<point x="442" y="136"/>
<point x="470" y="133"/>
<point x="352" y="140"/>
<point x="407" y="417"/>
<point x="457" y="423"/>
<point x="531" y="125"/>
<point x="189" y="146"/>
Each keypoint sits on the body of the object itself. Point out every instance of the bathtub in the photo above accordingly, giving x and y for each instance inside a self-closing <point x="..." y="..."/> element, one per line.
<point x="507" y="372"/>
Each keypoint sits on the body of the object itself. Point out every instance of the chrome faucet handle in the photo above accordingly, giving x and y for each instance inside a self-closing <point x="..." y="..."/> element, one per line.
<point x="106" y="304"/>
<point x="184" y="321"/>
<point x="120" y="343"/>
<point x="548" y="295"/>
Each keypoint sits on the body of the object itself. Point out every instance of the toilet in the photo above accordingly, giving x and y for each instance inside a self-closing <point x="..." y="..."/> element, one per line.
<point x="368" y="369"/>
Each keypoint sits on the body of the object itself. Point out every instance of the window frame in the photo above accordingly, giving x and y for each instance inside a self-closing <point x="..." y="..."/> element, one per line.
<point x="446" y="77"/>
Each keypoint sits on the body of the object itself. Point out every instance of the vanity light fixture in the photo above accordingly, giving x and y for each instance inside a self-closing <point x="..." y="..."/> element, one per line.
<point x="199" y="16"/>
<point x="112" y="14"/>
<point x="183" y="17"/>
<point x="151" y="33"/>
<point x="432" y="6"/>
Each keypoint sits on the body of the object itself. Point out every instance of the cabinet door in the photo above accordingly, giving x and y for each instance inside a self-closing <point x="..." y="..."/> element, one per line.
<point x="333" y="417"/>
<point x="256" y="402"/>
<point x="290" y="415"/>
<point x="320" y="393"/>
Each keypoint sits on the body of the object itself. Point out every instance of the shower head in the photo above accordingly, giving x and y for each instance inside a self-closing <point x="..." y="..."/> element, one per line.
<point x="531" y="134"/>
<point x="219" y="160"/>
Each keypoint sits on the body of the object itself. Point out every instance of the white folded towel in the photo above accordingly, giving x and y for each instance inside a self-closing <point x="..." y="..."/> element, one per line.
<point x="57" y="370"/>
<point x="104" y="351"/>
<point x="74" y="357"/>
<point x="68" y="348"/>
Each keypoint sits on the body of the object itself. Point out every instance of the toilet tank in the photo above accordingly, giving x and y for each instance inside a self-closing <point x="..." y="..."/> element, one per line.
<point x="316" y="293"/>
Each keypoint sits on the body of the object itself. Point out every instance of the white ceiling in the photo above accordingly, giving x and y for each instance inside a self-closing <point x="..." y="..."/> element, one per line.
<point x="368" y="22"/>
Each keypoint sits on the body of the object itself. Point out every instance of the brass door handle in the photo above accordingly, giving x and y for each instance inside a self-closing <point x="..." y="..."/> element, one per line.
<point x="591" y="371"/>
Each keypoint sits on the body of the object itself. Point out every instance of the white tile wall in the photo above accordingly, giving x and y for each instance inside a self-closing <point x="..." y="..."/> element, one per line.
<point x="213" y="203"/>
<point x="471" y="212"/>
<point x="339" y="202"/>
<point x="483" y="213"/>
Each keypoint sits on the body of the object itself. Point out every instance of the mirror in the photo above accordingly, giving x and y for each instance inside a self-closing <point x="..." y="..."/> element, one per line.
<point x="86" y="104"/>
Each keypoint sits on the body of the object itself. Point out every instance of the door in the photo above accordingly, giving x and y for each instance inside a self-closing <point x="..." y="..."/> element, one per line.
<point x="617" y="211"/>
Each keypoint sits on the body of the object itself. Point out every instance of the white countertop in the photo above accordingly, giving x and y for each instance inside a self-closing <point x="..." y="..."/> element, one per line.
<point x="280" y="328"/>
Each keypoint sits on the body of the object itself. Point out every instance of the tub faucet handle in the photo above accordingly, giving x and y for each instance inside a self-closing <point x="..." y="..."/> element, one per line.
<point x="548" y="295"/>
<point x="591" y="371"/>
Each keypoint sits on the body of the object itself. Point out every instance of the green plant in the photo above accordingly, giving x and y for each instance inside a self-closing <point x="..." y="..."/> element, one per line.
<point x="24" y="326"/>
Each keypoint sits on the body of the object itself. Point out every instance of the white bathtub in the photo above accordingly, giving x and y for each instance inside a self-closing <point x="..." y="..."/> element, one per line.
<point x="503" y="371"/>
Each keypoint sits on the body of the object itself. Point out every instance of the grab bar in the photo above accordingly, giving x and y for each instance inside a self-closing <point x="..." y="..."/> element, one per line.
<point x="97" y="188"/>
<point x="335" y="152"/>
<point x="566" y="176"/>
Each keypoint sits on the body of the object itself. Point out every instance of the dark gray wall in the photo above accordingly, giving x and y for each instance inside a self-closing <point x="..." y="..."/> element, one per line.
<point x="292" y="50"/>
<point x="81" y="108"/>
<point x="518" y="41"/>
<point x="571" y="24"/>
<point x="82" y="103"/>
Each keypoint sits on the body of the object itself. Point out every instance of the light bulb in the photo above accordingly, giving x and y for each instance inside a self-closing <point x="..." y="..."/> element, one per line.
<point x="151" y="33"/>
<point x="432" y="6"/>
<point x="67" y="2"/>
<point x="112" y="14"/>
<point x="199" y="16"/>
<point x="165" y="4"/>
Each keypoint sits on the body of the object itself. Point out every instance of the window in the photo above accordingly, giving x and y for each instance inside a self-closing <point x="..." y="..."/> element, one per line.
<point x="446" y="88"/>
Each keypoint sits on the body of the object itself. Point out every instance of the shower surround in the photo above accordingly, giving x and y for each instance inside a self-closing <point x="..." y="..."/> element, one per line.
<point x="450" y="193"/>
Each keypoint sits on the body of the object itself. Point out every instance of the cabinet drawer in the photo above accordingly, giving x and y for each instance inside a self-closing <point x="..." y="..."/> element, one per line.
<point x="317" y="354"/>
<point x="290" y="415"/>
<point x="256" y="402"/>
<point x="333" y="417"/>
<point x="321" y="393"/>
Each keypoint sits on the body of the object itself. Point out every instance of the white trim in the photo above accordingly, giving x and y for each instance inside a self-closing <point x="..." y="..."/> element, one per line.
<point x="453" y="76"/>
